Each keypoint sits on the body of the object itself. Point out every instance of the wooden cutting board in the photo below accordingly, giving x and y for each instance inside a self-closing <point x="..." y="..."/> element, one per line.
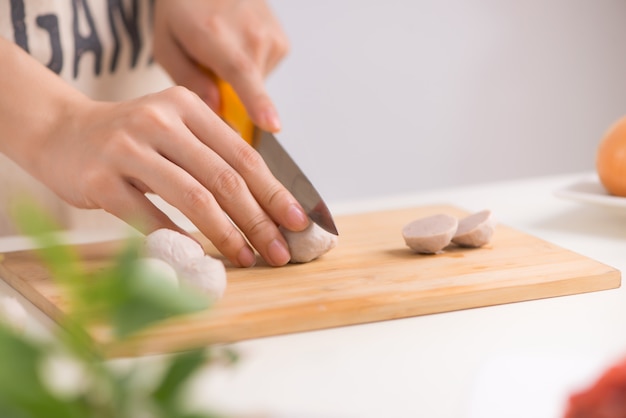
<point x="370" y="276"/>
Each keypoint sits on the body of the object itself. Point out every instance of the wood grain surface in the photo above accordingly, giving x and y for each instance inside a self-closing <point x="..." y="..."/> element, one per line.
<point x="370" y="276"/>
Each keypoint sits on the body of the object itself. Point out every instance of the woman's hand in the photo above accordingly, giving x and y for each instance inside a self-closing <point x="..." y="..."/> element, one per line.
<point x="240" y="41"/>
<point x="107" y="155"/>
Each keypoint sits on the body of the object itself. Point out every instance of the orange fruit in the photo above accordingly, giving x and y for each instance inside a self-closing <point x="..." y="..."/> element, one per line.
<point x="611" y="159"/>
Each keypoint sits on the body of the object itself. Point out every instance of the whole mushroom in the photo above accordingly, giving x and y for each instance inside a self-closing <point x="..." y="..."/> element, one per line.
<point x="186" y="256"/>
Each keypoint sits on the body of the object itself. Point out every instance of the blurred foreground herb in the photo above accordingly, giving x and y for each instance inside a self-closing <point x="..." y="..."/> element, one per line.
<point x="69" y="375"/>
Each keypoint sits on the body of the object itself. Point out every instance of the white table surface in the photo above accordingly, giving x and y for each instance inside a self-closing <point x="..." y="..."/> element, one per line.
<point x="514" y="360"/>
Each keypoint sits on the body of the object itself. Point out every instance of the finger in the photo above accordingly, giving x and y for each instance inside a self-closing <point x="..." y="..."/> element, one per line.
<point x="185" y="71"/>
<point x="197" y="203"/>
<point x="270" y="52"/>
<point x="279" y="40"/>
<point x="219" y="186"/>
<point x="133" y="207"/>
<point x="229" y="62"/>
<point x="174" y="178"/>
<point x="272" y="196"/>
<point x="151" y="171"/>
<point x="250" y="87"/>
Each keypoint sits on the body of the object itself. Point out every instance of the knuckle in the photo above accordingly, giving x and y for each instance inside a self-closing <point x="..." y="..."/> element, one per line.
<point x="275" y="195"/>
<point x="240" y="63"/>
<point x="281" y="46"/>
<point x="257" y="225"/>
<point x="92" y="178"/>
<point x="196" y="198"/>
<point x="248" y="159"/>
<point x="255" y="37"/>
<point x="180" y="93"/>
<point x="150" y="114"/>
<point x="225" y="238"/>
<point x="227" y="183"/>
<point x="179" y="96"/>
<point x="120" y="144"/>
<point x="160" y="111"/>
<point x="212" y="24"/>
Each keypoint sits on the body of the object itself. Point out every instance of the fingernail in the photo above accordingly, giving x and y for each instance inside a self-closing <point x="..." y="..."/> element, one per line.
<point x="246" y="257"/>
<point x="297" y="217"/>
<point x="272" y="120"/>
<point x="278" y="253"/>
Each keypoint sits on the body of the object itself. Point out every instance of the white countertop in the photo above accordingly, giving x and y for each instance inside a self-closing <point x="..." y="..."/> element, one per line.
<point x="514" y="360"/>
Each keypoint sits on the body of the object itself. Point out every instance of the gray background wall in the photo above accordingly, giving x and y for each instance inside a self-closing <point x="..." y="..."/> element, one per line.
<point x="386" y="97"/>
<point x="389" y="97"/>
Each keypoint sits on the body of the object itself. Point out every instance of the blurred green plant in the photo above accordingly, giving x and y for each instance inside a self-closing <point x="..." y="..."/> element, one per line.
<point x="69" y="376"/>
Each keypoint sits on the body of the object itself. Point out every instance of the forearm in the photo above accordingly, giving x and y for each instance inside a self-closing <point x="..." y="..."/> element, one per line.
<point x="33" y="103"/>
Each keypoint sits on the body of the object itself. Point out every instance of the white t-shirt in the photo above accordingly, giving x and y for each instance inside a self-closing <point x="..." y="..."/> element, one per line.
<point x="101" y="47"/>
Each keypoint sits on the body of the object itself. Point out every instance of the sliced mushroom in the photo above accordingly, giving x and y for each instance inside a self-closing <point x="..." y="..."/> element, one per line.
<point x="475" y="230"/>
<point x="431" y="234"/>
<point x="309" y="244"/>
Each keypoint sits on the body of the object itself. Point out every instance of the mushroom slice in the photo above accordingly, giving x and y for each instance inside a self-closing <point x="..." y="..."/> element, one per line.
<point x="431" y="234"/>
<point x="475" y="230"/>
<point x="206" y="274"/>
<point x="310" y="243"/>
<point x="172" y="246"/>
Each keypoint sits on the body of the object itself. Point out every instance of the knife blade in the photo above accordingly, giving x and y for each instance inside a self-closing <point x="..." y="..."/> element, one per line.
<point x="280" y="163"/>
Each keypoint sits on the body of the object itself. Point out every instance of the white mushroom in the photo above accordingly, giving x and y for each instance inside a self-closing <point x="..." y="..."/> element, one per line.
<point x="475" y="230"/>
<point x="206" y="274"/>
<point x="431" y="234"/>
<point x="309" y="244"/>
<point x="172" y="246"/>
<point x="187" y="258"/>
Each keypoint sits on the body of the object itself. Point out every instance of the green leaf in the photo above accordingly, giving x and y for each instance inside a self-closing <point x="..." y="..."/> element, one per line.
<point x="123" y="295"/>
<point x="60" y="259"/>
<point x="200" y="415"/>
<point x="22" y="392"/>
<point x="180" y="369"/>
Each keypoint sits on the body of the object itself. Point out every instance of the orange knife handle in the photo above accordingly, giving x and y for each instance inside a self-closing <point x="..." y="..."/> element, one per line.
<point x="234" y="112"/>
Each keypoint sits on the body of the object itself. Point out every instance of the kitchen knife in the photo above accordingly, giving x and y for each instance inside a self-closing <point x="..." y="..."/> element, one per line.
<point x="277" y="159"/>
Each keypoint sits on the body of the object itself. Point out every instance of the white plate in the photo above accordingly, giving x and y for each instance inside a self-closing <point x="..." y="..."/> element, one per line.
<point x="590" y="190"/>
